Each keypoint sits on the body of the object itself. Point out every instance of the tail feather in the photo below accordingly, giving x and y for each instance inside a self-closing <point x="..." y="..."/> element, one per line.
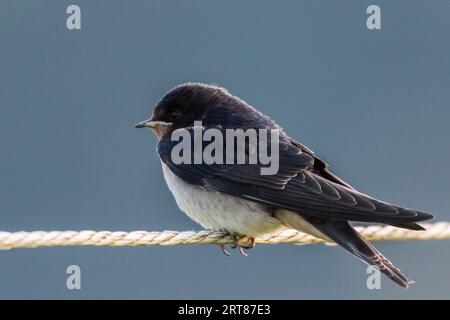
<point x="346" y="236"/>
<point x="408" y="225"/>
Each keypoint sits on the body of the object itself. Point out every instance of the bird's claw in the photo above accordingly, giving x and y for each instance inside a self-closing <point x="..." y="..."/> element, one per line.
<point x="241" y="250"/>
<point x="224" y="250"/>
<point x="239" y="245"/>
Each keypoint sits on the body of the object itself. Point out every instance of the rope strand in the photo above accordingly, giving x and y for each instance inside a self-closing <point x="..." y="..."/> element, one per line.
<point x="22" y="239"/>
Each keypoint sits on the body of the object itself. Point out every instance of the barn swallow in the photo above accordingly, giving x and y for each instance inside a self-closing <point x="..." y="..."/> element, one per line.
<point x="303" y="194"/>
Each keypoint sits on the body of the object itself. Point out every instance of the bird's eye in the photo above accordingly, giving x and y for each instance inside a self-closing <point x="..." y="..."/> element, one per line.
<point x="174" y="115"/>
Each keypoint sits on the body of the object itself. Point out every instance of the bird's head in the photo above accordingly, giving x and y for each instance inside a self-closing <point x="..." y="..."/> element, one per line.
<point x="181" y="106"/>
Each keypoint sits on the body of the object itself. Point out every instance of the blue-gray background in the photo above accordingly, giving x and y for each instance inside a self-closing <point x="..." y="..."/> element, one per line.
<point x="374" y="104"/>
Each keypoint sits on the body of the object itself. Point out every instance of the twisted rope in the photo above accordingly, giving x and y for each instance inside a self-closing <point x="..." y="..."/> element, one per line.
<point x="22" y="239"/>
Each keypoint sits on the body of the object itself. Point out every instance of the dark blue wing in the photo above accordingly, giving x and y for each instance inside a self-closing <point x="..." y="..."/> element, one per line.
<point x="298" y="186"/>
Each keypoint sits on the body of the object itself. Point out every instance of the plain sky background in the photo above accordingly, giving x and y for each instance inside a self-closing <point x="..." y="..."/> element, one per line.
<point x="374" y="104"/>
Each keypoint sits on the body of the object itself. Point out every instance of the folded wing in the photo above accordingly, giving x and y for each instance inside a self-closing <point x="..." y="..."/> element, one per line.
<point x="303" y="184"/>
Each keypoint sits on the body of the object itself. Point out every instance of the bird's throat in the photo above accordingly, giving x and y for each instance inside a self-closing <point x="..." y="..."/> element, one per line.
<point x="160" y="131"/>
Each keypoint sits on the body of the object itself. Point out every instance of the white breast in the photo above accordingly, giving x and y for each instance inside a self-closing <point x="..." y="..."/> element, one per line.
<point x="215" y="210"/>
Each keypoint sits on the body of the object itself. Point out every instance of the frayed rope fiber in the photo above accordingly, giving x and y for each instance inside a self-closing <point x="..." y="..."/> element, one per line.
<point x="22" y="239"/>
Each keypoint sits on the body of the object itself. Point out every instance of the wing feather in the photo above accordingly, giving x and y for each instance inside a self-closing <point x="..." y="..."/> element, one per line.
<point x="303" y="184"/>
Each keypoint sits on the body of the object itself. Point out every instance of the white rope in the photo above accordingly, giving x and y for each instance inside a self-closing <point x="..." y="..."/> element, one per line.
<point x="22" y="239"/>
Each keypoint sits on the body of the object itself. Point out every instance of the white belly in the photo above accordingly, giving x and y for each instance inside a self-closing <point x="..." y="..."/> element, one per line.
<point x="219" y="211"/>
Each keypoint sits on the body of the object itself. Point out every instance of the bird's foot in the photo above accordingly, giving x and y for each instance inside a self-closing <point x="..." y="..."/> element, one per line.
<point x="224" y="250"/>
<point x="242" y="243"/>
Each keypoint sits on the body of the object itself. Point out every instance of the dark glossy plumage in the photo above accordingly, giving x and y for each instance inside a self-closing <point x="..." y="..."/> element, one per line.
<point x="303" y="184"/>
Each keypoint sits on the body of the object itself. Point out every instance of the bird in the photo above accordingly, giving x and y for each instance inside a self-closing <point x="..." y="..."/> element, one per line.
<point x="304" y="194"/>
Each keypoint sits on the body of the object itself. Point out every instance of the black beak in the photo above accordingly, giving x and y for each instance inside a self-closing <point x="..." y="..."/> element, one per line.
<point x="141" y="125"/>
<point x="150" y="123"/>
